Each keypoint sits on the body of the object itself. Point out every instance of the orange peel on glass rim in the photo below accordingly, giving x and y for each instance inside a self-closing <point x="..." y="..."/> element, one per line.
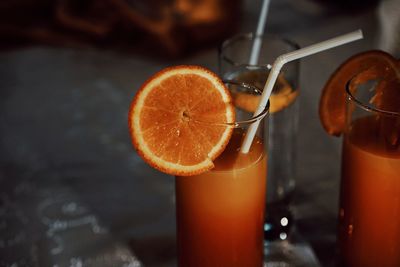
<point x="332" y="105"/>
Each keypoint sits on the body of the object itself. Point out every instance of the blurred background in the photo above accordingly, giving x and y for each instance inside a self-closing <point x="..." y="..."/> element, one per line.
<point x="167" y="28"/>
<point x="72" y="190"/>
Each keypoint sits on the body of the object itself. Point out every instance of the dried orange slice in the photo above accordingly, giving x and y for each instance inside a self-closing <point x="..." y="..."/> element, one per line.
<point x="177" y="120"/>
<point x="332" y="103"/>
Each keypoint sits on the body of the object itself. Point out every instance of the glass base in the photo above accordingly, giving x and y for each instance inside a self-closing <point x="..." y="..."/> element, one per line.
<point x="289" y="253"/>
<point x="279" y="221"/>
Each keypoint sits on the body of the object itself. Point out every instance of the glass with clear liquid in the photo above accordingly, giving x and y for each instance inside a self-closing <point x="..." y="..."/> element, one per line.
<point x="283" y="120"/>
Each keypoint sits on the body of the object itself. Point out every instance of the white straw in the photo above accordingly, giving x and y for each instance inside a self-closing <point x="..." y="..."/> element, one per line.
<point x="276" y="67"/>
<point x="255" y="50"/>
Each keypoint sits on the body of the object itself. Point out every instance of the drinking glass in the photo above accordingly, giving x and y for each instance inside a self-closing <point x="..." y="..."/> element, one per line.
<point x="234" y="56"/>
<point x="220" y="212"/>
<point x="369" y="214"/>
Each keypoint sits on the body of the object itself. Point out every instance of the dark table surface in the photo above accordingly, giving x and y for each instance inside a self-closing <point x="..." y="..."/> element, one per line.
<point x="72" y="190"/>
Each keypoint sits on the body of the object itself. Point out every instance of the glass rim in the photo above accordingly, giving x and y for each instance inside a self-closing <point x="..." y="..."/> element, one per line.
<point x="252" y="36"/>
<point x="241" y="123"/>
<point x="364" y="106"/>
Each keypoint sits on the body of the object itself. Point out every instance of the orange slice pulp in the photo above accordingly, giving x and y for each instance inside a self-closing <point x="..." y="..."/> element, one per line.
<point x="332" y="105"/>
<point x="179" y="120"/>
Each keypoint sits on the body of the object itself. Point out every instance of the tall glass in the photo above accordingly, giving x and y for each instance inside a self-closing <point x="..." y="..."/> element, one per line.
<point x="220" y="213"/>
<point x="234" y="56"/>
<point x="369" y="215"/>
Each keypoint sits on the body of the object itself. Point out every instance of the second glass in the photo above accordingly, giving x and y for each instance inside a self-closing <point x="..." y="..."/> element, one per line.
<point x="234" y="56"/>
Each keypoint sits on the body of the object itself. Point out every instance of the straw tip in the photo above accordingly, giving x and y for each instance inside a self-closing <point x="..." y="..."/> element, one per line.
<point x="360" y="33"/>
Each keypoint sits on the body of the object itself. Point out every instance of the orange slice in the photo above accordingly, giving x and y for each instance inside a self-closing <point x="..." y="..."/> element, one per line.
<point x="332" y="105"/>
<point x="282" y="96"/>
<point x="177" y="120"/>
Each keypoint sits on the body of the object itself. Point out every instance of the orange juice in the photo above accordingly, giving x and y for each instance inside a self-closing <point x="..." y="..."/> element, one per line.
<point x="369" y="216"/>
<point x="220" y="213"/>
